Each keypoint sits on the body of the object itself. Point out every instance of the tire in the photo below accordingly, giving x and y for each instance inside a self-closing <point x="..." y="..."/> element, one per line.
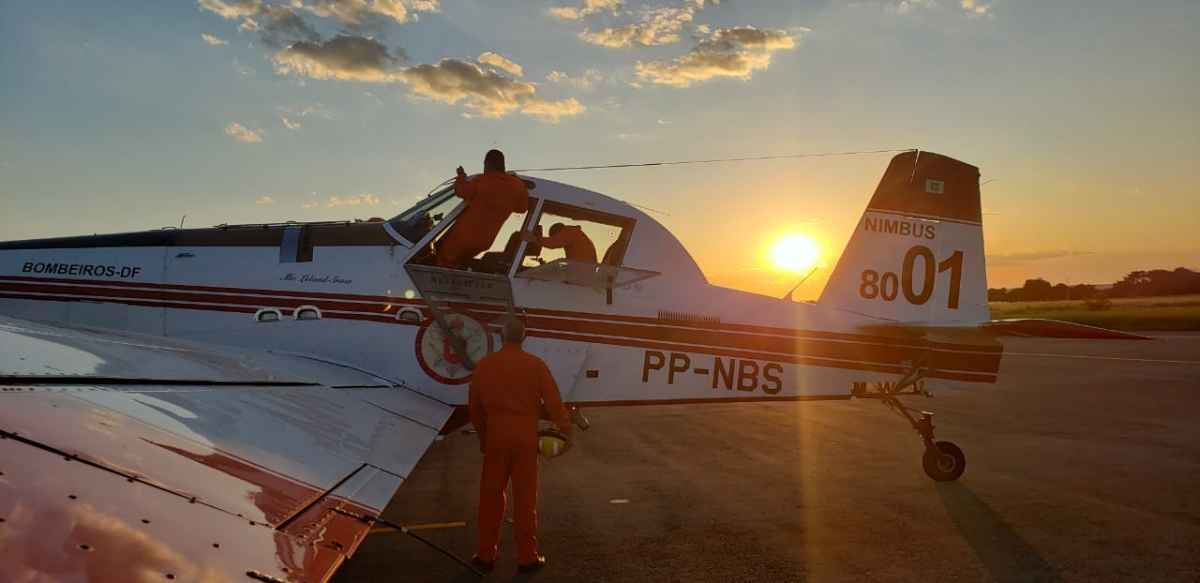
<point x="946" y="463"/>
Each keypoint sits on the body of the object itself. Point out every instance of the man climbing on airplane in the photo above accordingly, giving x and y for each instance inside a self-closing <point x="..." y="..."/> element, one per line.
<point x="509" y="390"/>
<point x="490" y="198"/>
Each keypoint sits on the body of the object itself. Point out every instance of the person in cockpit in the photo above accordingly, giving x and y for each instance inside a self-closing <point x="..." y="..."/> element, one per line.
<point x="490" y="198"/>
<point x="573" y="241"/>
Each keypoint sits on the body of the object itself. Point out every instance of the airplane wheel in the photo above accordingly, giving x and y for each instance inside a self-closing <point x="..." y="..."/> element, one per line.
<point x="945" y="463"/>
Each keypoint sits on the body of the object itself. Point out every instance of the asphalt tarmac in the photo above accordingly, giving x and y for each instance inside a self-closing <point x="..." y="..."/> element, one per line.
<point x="1083" y="464"/>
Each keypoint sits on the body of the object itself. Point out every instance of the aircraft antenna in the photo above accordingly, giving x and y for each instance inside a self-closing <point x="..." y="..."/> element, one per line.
<point x="788" y="296"/>
<point x="717" y="160"/>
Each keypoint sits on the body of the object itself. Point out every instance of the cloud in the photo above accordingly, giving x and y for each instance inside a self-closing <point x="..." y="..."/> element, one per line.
<point x="358" y="200"/>
<point x="213" y="40"/>
<point x="277" y="25"/>
<point x="656" y="25"/>
<point x="243" y="70"/>
<point x="345" y="58"/>
<point x="502" y="63"/>
<point x="316" y="110"/>
<point x="588" y="8"/>
<point x="264" y="200"/>
<point x="976" y="7"/>
<point x="907" y="6"/>
<point x="355" y="13"/>
<point x="232" y="10"/>
<point x="482" y="86"/>
<point x="484" y="92"/>
<point x="729" y="52"/>
<point x="1028" y="257"/>
<point x="584" y="82"/>
<point x="552" y="111"/>
<point x="243" y="134"/>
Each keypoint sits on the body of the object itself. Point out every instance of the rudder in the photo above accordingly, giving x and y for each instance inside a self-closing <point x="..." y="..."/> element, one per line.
<point x="917" y="253"/>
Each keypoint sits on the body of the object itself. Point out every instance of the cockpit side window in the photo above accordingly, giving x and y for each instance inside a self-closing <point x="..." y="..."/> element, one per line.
<point x="422" y="218"/>
<point x="580" y="235"/>
<point x="497" y="259"/>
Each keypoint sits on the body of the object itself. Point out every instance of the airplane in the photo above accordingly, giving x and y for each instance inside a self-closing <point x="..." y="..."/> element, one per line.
<point x="242" y="402"/>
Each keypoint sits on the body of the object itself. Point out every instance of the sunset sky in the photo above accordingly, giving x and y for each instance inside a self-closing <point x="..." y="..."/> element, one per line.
<point x="1082" y="116"/>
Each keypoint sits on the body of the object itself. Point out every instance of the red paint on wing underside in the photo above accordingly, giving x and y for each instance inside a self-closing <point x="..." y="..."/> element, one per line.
<point x="279" y="497"/>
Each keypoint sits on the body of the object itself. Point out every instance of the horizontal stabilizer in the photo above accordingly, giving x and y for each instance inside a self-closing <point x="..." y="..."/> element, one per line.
<point x="988" y="331"/>
<point x="1056" y="329"/>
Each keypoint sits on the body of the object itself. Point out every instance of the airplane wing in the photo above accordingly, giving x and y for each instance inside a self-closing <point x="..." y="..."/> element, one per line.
<point x="131" y="458"/>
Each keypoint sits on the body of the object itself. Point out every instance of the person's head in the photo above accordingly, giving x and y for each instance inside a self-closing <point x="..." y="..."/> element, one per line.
<point x="513" y="331"/>
<point x="493" y="161"/>
<point x="555" y="228"/>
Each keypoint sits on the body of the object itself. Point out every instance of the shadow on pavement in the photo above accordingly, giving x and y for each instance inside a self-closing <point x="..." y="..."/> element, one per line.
<point x="1006" y="556"/>
<point x="468" y="577"/>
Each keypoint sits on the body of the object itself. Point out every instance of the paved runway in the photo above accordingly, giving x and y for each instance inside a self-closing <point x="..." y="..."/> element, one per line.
<point x="1083" y="464"/>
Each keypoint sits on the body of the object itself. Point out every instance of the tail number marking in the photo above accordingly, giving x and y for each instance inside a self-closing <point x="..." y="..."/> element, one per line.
<point x="887" y="286"/>
<point x="742" y="374"/>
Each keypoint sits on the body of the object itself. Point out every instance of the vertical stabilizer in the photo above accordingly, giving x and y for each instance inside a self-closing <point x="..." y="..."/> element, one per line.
<point x="917" y="253"/>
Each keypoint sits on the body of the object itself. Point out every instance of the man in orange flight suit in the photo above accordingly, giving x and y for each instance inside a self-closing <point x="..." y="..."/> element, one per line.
<point x="491" y="198"/>
<point x="508" y="391"/>
<point x="573" y="241"/>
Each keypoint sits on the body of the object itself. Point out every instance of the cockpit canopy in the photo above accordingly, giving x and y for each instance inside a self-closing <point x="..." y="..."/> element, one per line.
<point x="622" y="235"/>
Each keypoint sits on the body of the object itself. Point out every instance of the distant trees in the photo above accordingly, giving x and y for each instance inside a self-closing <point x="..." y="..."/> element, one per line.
<point x="1156" y="282"/>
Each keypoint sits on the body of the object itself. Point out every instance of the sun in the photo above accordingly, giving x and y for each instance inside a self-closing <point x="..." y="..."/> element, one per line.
<point x="796" y="252"/>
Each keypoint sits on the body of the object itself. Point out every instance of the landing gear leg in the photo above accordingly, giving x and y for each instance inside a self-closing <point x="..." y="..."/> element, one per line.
<point x="943" y="460"/>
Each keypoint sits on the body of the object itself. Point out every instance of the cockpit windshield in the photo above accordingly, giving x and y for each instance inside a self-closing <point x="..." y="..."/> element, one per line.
<point x="416" y="222"/>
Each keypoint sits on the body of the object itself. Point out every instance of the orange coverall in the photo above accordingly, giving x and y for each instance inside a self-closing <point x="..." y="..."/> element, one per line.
<point x="508" y="389"/>
<point x="573" y="241"/>
<point x="491" y="198"/>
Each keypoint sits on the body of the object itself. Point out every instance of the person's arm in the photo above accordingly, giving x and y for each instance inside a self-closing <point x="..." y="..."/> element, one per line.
<point x="553" y="401"/>
<point x="465" y="189"/>
<point x="520" y="203"/>
<point x="477" y="413"/>
<point x="556" y="241"/>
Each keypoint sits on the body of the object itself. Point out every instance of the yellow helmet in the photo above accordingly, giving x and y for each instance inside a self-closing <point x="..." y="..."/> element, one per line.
<point x="552" y="443"/>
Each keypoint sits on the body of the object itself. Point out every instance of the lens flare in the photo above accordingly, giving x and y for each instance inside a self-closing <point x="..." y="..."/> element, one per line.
<point x="797" y="253"/>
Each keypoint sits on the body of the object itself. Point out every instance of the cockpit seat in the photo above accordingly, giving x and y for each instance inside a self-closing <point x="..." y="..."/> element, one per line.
<point x="500" y="261"/>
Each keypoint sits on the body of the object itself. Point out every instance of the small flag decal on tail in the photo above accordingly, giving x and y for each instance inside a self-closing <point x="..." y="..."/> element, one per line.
<point x="935" y="186"/>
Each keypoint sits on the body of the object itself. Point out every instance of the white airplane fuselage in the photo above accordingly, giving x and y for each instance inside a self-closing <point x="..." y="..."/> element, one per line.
<point x="668" y="338"/>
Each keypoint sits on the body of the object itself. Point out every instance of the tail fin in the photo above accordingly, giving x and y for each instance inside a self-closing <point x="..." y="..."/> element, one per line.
<point x="917" y="254"/>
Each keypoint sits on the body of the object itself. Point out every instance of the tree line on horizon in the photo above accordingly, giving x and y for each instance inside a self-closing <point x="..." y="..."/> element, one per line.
<point x="1137" y="284"/>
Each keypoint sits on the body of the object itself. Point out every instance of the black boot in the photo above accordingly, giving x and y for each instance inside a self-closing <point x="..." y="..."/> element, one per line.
<point x="536" y="565"/>
<point x="482" y="565"/>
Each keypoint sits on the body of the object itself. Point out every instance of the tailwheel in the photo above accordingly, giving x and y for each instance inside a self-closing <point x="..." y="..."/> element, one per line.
<point x="944" y="461"/>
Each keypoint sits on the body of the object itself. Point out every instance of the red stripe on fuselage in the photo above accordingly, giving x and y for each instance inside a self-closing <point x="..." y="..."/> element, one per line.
<point x="859" y="352"/>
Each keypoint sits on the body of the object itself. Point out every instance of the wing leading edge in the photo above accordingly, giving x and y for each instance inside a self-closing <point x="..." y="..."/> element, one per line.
<point x="128" y="458"/>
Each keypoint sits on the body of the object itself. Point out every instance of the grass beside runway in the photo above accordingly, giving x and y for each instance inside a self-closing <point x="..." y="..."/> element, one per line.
<point x="1152" y="313"/>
